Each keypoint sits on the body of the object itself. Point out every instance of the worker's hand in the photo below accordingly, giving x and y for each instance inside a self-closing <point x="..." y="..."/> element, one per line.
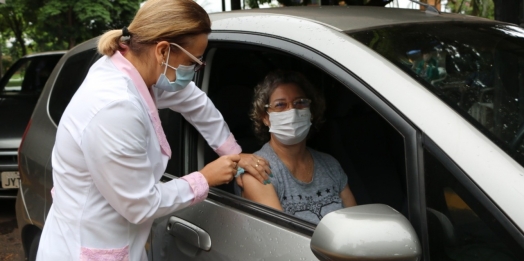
<point x="255" y="166"/>
<point x="221" y="171"/>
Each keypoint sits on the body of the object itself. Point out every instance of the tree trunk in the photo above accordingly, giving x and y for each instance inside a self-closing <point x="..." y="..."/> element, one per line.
<point x="459" y="8"/>
<point x="1" y="62"/>
<point x="236" y="5"/>
<point x="20" y="38"/>
<point x="508" y="11"/>
<point x="16" y="23"/>
<point x="476" y="8"/>
<point x="71" y="41"/>
<point x="485" y="7"/>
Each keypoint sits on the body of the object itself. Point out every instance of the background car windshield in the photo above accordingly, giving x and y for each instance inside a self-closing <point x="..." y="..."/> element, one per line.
<point x="477" y="69"/>
<point x="29" y="74"/>
<point x="14" y="83"/>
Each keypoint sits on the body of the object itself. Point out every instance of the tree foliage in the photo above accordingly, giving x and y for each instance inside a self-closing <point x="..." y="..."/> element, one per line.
<point x="482" y="8"/>
<point x="69" y="22"/>
<point x="17" y="17"/>
<point x="43" y="25"/>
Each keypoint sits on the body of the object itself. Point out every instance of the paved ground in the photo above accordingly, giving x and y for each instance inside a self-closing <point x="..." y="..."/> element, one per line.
<point x="10" y="243"/>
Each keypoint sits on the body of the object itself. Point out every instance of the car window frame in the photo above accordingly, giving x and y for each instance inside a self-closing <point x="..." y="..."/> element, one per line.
<point x="57" y="72"/>
<point x="411" y="135"/>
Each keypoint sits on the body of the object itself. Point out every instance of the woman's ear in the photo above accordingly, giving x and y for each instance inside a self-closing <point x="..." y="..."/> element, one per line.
<point x="266" y="120"/>
<point x="161" y="50"/>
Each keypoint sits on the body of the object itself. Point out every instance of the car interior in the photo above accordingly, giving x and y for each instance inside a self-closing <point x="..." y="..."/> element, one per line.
<point x="369" y="149"/>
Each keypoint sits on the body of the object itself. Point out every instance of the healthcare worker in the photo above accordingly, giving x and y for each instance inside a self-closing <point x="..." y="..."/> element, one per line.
<point x="110" y="149"/>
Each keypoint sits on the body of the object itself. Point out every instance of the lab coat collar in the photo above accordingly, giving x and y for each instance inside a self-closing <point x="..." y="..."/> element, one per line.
<point x="126" y="67"/>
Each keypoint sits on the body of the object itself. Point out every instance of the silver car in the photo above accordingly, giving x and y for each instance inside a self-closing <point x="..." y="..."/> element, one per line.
<point x="425" y="113"/>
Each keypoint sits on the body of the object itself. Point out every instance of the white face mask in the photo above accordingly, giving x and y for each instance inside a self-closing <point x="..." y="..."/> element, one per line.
<point x="290" y="127"/>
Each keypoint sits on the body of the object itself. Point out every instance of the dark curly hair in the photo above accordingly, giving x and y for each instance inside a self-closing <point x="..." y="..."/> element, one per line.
<point x="264" y="90"/>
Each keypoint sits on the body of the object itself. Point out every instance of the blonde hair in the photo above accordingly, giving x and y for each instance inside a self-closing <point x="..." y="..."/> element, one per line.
<point x="175" y="21"/>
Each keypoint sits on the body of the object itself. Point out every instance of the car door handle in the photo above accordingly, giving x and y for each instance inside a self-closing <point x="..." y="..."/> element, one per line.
<point x="189" y="233"/>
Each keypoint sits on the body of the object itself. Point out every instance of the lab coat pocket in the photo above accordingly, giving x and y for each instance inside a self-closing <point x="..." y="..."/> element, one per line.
<point x="98" y="254"/>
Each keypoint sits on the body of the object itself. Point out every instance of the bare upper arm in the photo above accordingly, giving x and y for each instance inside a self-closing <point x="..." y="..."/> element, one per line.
<point x="347" y="197"/>
<point x="260" y="193"/>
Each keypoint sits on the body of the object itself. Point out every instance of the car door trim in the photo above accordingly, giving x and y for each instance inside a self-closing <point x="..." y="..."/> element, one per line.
<point x="262" y="211"/>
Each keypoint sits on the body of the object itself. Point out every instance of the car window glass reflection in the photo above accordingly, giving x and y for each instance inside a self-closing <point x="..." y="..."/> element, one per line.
<point x="476" y="69"/>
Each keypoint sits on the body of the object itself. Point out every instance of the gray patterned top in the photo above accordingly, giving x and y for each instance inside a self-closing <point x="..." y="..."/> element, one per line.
<point x="310" y="201"/>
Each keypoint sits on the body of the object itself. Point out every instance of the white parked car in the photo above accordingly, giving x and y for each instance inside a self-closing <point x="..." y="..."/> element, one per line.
<point x="425" y="113"/>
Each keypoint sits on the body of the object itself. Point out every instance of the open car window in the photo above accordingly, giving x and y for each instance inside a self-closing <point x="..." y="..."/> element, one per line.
<point x="368" y="148"/>
<point x="476" y="69"/>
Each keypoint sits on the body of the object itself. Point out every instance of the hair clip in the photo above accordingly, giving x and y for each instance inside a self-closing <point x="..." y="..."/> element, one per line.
<point x="126" y="35"/>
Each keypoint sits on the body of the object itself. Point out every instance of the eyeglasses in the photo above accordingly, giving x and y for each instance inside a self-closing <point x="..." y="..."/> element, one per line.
<point x="278" y="106"/>
<point x="200" y="64"/>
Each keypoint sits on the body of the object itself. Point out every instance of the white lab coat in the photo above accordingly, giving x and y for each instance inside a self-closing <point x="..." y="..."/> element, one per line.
<point x="108" y="159"/>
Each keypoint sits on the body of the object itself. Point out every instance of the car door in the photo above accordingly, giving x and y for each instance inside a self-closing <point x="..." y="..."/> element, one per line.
<point x="463" y="222"/>
<point x="229" y="227"/>
<point x="466" y="218"/>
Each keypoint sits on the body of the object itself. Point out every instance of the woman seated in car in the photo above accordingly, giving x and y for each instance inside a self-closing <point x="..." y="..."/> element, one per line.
<point x="304" y="182"/>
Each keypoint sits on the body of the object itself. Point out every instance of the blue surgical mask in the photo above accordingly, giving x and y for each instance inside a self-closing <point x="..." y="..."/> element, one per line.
<point x="184" y="75"/>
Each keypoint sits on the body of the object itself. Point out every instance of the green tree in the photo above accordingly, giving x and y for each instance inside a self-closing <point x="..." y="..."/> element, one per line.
<point x="44" y="25"/>
<point x="17" y="16"/>
<point x="65" y="23"/>
<point x="482" y="8"/>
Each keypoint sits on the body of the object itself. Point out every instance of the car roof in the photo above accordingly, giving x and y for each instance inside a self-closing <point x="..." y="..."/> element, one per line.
<point x="50" y="53"/>
<point x="353" y="18"/>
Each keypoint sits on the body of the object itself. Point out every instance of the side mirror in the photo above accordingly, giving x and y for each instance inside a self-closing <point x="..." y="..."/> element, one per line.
<point x="366" y="232"/>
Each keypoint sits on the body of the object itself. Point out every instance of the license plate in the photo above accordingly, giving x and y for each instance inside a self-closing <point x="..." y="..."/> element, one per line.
<point x="10" y="179"/>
